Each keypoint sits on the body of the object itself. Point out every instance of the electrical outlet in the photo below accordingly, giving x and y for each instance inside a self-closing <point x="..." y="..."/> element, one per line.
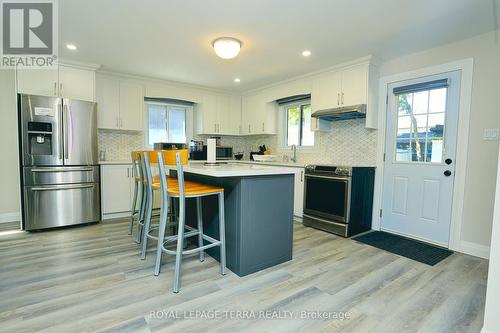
<point x="490" y="134"/>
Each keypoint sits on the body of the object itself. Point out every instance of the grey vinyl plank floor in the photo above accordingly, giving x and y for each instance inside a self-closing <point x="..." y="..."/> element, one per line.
<point x="90" y="279"/>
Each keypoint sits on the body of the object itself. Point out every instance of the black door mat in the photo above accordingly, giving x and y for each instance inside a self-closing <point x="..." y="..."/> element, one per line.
<point x="409" y="248"/>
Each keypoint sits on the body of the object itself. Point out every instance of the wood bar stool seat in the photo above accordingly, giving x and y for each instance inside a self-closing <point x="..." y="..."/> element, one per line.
<point x="191" y="189"/>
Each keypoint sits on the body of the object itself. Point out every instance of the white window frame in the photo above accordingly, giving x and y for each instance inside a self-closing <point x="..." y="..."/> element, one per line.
<point x="283" y="125"/>
<point x="188" y="124"/>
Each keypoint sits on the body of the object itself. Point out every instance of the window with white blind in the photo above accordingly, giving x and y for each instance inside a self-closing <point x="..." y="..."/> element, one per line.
<point x="166" y="122"/>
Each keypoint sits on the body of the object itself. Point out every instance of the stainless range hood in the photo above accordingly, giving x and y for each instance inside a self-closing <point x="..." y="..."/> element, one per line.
<point x="342" y="113"/>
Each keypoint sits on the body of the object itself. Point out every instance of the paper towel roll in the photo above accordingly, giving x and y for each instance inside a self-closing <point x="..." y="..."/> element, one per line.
<point x="211" y="150"/>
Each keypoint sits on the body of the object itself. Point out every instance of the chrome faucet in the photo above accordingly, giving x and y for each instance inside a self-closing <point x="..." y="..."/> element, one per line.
<point x="294" y="154"/>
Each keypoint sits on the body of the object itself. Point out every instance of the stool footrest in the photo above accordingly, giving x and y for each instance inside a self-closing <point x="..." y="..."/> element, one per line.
<point x="198" y="249"/>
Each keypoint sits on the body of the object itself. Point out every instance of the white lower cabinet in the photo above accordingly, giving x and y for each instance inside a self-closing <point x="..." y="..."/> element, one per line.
<point x="116" y="189"/>
<point x="298" y="197"/>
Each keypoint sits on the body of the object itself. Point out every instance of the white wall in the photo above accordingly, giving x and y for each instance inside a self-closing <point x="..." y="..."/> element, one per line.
<point x="485" y="113"/>
<point x="491" y="317"/>
<point x="9" y="167"/>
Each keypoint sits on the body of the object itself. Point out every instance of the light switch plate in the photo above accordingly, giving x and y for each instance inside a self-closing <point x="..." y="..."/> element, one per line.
<point x="490" y="134"/>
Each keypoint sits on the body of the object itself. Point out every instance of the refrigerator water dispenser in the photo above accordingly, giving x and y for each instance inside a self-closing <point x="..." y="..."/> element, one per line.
<point x="40" y="138"/>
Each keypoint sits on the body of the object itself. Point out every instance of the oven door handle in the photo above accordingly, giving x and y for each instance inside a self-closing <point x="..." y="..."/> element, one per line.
<point x="346" y="179"/>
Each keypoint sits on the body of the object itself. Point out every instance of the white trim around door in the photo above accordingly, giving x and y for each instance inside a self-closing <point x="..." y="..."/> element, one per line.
<point x="466" y="68"/>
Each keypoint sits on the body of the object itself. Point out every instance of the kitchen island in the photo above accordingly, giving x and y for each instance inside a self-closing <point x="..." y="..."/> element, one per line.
<point x="258" y="203"/>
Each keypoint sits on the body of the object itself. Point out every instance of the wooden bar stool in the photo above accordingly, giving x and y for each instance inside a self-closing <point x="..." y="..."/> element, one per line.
<point x="182" y="190"/>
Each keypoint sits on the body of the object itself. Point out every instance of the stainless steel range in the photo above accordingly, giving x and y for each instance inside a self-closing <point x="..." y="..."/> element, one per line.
<point x="58" y="154"/>
<point x="339" y="199"/>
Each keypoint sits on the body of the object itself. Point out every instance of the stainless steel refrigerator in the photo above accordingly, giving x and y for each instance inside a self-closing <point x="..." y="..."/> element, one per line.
<point x="59" y="162"/>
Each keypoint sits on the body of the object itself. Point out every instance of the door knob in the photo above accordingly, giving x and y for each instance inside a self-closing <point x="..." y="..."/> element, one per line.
<point x="447" y="173"/>
<point x="448" y="161"/>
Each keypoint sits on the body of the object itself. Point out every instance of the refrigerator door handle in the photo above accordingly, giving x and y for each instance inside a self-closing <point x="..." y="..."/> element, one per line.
<point x="61" y="188"/>
<point x="66" y="130"/>
<point x="61" y="130"/>
<point x="62" y="170"/>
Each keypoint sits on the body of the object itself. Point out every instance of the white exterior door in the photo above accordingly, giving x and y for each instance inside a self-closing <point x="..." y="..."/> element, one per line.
<point x="421" y="135"/>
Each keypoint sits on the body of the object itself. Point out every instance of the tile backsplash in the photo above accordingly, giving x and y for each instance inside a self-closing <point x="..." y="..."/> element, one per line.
<point x="348" y="143"/>
<point x="117" y="146"/>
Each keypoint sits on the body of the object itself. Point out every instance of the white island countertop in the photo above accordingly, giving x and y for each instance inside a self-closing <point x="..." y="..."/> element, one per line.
<point x="234" y="169"/>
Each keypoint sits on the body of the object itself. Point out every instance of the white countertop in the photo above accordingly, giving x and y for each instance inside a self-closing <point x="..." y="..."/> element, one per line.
<point x="114" y="162"/>
<point x="273" y="163"/>
<point x="232" y="169"/>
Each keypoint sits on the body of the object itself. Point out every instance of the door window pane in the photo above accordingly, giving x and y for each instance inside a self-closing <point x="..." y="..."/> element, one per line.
<point x="437" y="100"/>
<point x="420" y="102"/>
<point x="420" y="126"/>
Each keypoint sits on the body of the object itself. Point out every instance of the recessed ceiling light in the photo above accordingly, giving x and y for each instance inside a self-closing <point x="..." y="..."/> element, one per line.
<point x="71" y="47"/>
<point x="226" y="47"/>
<point x="306" y="53"/>
<point x="237" y="80"/>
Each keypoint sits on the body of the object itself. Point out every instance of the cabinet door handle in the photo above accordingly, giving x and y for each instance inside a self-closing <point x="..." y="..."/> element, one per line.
<point x="218" y="128"/>
<point x="338" y="98"/>
<point x="342" y="98"/>
<point x="55" y="88"/>
<point x="121" y="122"/>
<point x="262" y="127"/>
<point x="301" y="176"/>
<point x="249" y="130"/>
<point x="60" y="89"/>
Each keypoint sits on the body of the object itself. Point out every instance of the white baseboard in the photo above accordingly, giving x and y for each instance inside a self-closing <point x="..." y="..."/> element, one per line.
<point x="474" y="249"/>
<point x="10" y="217"/>
<point x="484" y="330"/>
<point x="115" y="215"/>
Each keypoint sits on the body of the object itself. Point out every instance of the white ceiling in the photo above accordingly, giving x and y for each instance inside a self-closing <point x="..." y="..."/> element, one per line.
<point x="171" y="39"/>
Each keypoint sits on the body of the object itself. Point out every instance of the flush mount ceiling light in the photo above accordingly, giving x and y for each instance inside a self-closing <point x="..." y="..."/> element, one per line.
<point x="306" y="53"/>
<point x="71" y="47"/>
<point x="226" y="47"/>
<point x="237" y="80"/>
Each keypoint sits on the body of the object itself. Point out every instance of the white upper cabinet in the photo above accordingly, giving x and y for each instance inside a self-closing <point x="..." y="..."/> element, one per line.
<point x="219" y="114"/>
<point x="66" y="81"/>
<point x="207" y="111"/>
<point x="354" y="86"/>
<point x="258" y="115"/>
<point x="346" y="87"/>
<point x="43" y="82"/>
<point x="76" y="83"/>
<point x="229" y="114"/>
<point x="131" y="106"/>
<point x="120" y="104"/>
<point x="326" y="91"/>
<point x="108" y="102"/>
